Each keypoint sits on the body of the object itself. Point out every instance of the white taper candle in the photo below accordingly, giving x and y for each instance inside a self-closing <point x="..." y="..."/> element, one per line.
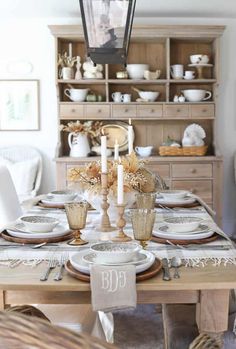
<point x="130" y="137"/>
<point x="120" y="185"/>
<point x="104" y="154"/>
<point x="116" y="151"/>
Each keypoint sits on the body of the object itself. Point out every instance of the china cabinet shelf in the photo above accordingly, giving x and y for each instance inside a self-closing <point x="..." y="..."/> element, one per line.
<point x="153" y="122"/>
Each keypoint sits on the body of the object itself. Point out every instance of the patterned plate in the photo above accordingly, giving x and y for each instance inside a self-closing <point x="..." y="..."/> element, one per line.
<point x="92" y="258"/>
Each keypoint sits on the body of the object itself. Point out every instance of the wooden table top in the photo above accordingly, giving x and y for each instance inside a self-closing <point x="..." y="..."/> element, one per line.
<point x="198" y="278"/>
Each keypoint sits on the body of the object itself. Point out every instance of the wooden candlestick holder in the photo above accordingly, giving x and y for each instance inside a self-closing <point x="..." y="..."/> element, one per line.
<point x="105" y="220"/>
<point x="121" y="222"/>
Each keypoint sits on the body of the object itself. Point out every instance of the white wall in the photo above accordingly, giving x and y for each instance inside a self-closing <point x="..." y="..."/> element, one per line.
<point x="31" y="40"/>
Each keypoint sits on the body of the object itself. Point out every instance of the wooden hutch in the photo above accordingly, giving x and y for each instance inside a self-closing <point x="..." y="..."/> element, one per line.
<point x="160" y="47"/>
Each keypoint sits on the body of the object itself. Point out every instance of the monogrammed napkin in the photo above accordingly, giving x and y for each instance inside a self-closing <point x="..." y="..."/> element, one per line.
<point x="113" y="287"/>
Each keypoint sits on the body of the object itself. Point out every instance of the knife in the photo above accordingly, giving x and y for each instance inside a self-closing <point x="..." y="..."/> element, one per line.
<point x="166" y="270"/>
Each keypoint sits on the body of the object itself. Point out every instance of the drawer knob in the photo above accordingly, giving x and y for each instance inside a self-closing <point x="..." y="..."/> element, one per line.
<point x="99" y="110"/>
<point x="73" y="110"/>
<point x="204" y="110"/>
<point x="193" y="170"/>
<point x="126" y="110"/>
<point x="178" y="110"/>
<point x="152" y="110"/>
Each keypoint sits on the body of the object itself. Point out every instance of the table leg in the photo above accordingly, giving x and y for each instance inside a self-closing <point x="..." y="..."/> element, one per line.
<point x="212" y="318"/>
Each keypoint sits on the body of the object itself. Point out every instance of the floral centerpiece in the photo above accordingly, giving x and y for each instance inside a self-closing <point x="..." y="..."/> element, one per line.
<point x="87" y="181"/>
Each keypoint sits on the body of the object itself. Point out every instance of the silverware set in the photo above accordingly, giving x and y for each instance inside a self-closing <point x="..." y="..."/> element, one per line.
<point x="166" y="265"/>
<point x="52" y="264"/>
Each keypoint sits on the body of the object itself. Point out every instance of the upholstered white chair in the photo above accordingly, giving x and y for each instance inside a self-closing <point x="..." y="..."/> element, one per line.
<point x="10" y="208"/>
<point x="25" y="166"/>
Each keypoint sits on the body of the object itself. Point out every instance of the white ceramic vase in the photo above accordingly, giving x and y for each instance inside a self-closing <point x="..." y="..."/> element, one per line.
<point x="79" y="145"/>
<point x="95" y="200"/>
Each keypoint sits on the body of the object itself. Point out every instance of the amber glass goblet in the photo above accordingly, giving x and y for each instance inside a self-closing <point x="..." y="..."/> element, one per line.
<point x="142" y="222"/>
<point x="76" y="213"/>
<point x="146" y="200"/>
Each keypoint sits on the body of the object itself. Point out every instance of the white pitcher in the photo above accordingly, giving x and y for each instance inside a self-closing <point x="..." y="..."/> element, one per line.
<point x="79" y="145"/>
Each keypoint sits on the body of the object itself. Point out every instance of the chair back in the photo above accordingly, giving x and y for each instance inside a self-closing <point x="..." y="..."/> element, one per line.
<point x="24" y="153"/>
<point x="10" y="208"/>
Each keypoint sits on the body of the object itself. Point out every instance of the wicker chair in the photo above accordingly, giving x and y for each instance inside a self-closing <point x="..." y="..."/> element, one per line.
<point x="18" y="331"/>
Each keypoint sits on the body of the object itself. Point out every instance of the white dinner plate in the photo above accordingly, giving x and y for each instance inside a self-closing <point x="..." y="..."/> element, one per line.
<point x="79" y="263"/>
<point x="186" y="200"/>
<point x="203" y="228"/>
<point x="92" y="258"/>
<point x="17" y="232"/>
<point x="158" y="232"/>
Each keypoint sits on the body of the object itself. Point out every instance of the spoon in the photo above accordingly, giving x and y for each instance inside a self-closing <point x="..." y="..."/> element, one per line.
<point x="176" y="263"/>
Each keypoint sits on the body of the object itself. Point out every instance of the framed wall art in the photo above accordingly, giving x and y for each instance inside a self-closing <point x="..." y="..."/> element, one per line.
<point x="19" y="105"/>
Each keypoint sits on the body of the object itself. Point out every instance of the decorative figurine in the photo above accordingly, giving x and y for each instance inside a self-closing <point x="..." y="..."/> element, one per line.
<point x="78" y="75"/>
<point x="193" y="136"/>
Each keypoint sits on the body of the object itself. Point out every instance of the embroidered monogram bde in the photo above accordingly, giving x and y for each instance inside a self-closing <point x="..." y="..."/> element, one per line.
<point x="113" y="287"/>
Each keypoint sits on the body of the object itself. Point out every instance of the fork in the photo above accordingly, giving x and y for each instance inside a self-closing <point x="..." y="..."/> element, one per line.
<point x="64" y="258"/>
<point x="51" y="265"/>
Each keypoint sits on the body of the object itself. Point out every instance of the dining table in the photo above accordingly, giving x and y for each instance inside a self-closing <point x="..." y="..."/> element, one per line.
<point x="206" y="275"/>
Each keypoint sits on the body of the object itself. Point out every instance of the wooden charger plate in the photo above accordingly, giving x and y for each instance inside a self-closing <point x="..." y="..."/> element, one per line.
<point x="10" y="238"/>
<point x="186" y="242"/>
<point x="147" y="274"/>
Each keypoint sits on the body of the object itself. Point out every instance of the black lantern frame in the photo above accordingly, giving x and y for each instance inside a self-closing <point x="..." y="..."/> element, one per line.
<point x="111" y="44"/>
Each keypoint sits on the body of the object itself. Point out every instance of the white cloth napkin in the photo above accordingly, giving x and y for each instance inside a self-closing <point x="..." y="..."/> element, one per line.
<point x="113" y="287"/>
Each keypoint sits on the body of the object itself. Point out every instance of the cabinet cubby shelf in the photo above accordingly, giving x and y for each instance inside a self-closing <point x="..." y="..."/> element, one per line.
<point x="136" y="82"/>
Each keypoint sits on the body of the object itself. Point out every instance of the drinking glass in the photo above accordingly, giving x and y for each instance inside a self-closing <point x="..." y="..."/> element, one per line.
<point x="76" y="213"/>
<point x="142" y="222"/>
<point x="146" y="200"/>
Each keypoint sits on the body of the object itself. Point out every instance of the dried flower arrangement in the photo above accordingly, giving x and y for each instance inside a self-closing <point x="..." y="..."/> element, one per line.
<point x="90" y="128"/>
<point x="66" y="61"/>
<point x="136" y="176"/>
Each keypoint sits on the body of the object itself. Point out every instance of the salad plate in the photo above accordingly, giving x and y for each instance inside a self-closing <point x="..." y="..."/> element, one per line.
<point x="18" y="230"/>
<point x="202" y="228"/>
<point x="77" y="261"/>
<point x="164" y="201"/>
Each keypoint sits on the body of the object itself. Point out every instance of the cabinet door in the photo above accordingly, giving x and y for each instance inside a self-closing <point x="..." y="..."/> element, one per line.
<point x="71" y="111"/>
<point x="193" y="170"/>
<point x="97" y="111"/>
<point x="176" y="111"/>
<point x="201" y="188"/>
<point x="203" y="111"/>
<point x="124" y="111"/>
<point x="149" y="111"/>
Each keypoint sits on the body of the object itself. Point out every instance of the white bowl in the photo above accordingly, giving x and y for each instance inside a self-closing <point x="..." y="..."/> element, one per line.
<point x="136" y="71"/>
<point x="149" y="96"/>
<point x="62" y="195"/>
<point x="39" y="224"/>
<point x="108" y="252"/>
<point x="199" y="59"/>
<point x="174" y="194"/>
<point x="183" y="224"/>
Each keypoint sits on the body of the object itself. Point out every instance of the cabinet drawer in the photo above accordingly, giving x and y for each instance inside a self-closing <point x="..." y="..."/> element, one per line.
<point x="98" y="110"/>
<point x="162" y="170"/>
<point x="192" y="170"/>
<point x="200" y="188"/>
<point x="203" y="110"/>
<point x="149" y="111"/>
<point x="176" y="111"/>
<point x="125" y="111"/>
<point x="71" y="111"/>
